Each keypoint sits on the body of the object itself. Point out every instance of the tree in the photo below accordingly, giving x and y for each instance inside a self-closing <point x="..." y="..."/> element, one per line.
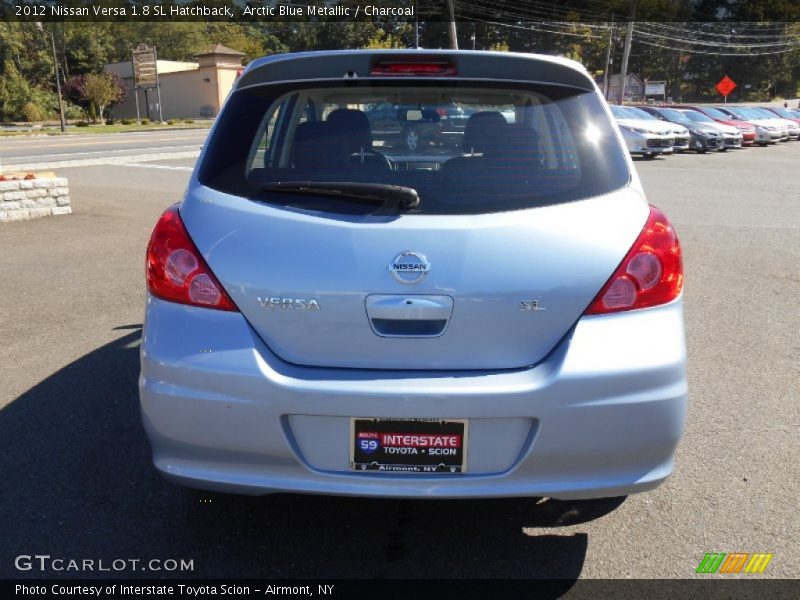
<point x="100" y="90"/>
<point x="14" y="92"/>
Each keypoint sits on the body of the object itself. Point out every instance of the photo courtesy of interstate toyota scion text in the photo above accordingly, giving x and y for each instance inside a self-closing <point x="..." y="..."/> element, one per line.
<point x="411" y="273"/>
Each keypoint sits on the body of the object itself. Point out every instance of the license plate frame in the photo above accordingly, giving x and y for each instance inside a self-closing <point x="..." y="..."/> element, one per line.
<point x="414" y="441"/>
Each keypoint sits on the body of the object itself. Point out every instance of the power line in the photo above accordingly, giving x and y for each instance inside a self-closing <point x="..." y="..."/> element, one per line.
<point x="659" y="28"/>
<point x="692" y="51"/>
<point x="716" y="44"/>
<point x="522" y="13"/>
<point x="536" y="29"/>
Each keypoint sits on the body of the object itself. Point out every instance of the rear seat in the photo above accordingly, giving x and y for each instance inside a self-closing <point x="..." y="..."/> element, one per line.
<point x="318" y="145"/>
<point x="354" y="125"/>
<point x="492" y="143"/>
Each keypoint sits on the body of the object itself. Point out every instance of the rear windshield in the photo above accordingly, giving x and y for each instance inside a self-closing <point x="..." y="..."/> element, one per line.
<point x="466" y="148"/>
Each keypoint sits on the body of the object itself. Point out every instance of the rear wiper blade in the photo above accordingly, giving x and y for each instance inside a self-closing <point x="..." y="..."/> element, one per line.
<point x="395" y="197"/>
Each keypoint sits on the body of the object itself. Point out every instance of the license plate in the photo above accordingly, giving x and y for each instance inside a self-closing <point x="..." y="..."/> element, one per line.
<point x="408" y="445"/>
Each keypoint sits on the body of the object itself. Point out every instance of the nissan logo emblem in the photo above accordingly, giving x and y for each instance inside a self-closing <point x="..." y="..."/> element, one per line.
<point x="409" y="267"/>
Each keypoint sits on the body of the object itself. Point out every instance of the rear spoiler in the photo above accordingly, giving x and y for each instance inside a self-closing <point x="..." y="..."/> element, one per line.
<point x="362" y="64"/>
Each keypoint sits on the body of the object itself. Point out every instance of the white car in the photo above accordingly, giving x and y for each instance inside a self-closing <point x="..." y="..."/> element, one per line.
<point x="792" y="127"/>
<point x="645" y="137"/>
<point x="680" y="134"/>
<point x="775" y="128"/>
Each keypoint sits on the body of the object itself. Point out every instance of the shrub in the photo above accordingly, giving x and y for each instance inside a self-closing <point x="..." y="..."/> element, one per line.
<point x="109" y="121"/>
<point x="145" y="121"/>
<point x="172" y="121"/>
<point x="72" y="112"/>
<point x="82" y="124"/>
<point x="126" y="121"/>
<point x="188" y="120"/>
<point x="33" y="113"/>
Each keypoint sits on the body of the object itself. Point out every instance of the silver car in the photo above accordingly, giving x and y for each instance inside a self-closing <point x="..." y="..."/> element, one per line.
<point x="329" y="314"/>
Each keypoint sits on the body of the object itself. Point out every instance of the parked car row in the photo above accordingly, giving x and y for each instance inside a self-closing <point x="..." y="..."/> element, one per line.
<point x="421" y="125"/>
<point x="652" y="130"/>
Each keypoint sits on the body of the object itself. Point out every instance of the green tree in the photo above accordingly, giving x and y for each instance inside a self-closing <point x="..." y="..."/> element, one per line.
<point x="102" y="90"/>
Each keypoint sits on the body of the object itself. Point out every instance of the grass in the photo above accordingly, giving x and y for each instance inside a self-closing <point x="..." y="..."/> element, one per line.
<point x="100" y="129"/>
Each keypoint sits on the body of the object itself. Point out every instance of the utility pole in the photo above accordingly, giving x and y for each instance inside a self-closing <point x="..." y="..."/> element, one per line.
<point x="40" y="27"/>
<point x="416" y="26"/>
<point x="607" y="70"/>
<point x="158" y="87"/>
<point x="627" y="51"/>
<point x="451" y="25"/>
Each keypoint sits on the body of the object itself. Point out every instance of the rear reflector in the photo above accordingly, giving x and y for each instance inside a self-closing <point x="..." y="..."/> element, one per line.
<point x="176" y="270"/>
<point x="650" y="274"/>
<point x="413" y="69"/>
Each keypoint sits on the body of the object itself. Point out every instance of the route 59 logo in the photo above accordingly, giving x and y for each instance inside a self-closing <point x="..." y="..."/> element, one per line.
<point x="368" y="442"/>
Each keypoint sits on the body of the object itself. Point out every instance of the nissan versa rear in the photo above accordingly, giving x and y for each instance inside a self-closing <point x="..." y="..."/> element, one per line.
<point x="495" y="313"/>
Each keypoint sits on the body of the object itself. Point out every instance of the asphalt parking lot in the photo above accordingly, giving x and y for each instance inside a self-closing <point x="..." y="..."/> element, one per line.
<point x="77" y="482"/>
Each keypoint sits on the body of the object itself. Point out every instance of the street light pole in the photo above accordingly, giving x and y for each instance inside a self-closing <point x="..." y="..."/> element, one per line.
<point x="41" y="28"/>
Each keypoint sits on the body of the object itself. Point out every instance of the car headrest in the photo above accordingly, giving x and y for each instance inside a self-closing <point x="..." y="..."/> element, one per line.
<point x="354" y="125"/>
<point x="522" y="143"/>
<point x="483" y="130"/>
<point x="318" y="145"/>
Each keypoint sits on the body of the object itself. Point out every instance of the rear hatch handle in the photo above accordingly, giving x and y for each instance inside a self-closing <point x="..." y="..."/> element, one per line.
<point x="409" y="315"/>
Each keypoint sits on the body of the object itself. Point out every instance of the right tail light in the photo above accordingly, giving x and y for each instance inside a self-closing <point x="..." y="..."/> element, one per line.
<point x="650" y="274"/>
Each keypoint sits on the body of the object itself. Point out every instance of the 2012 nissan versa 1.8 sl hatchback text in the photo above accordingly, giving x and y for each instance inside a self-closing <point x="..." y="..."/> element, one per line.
<point x="496" y="314"/>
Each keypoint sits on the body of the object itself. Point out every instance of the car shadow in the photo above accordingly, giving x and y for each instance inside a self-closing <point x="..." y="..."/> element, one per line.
<point x="637" y="158"/>
<point x="77" y="482"/>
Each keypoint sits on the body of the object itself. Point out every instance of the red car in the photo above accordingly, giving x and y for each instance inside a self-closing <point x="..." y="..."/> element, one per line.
<point x="747" y="129"/>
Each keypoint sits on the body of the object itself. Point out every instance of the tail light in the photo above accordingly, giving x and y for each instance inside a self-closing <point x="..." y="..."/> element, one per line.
<point x="414" y="69"/>
<point x="176" y="270"/>
<point x="650" y="274"/>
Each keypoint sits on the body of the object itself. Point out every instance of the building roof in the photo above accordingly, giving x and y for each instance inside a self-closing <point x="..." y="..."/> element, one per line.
<point x="220" y="49"/>
<point x="125" y="69"/>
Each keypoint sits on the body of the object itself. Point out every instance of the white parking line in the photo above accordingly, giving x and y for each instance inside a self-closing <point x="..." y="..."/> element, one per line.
<point x="151" y="166"/>
<point x="106" y="151"/>
<point x="108" y="160"/>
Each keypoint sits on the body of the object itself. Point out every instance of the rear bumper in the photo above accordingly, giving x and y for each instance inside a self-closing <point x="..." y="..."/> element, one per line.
<point x="601" y="416"/>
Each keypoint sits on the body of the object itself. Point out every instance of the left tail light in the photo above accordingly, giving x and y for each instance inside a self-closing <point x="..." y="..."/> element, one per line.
<point x="176" y="271"/>
<point x="650" y="274"/>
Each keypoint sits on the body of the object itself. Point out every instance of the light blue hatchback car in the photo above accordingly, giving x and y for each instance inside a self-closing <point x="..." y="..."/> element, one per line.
<point x="495" y="313"/>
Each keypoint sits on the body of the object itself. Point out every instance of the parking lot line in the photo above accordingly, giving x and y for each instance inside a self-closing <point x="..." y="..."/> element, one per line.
<point x="152" y="166"/>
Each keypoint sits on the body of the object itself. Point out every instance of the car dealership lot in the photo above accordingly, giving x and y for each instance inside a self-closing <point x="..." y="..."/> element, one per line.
<point x="77" y="481"/>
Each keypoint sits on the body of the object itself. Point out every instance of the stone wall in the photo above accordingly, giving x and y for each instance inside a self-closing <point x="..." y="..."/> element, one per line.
<point x="31" y="198"/>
